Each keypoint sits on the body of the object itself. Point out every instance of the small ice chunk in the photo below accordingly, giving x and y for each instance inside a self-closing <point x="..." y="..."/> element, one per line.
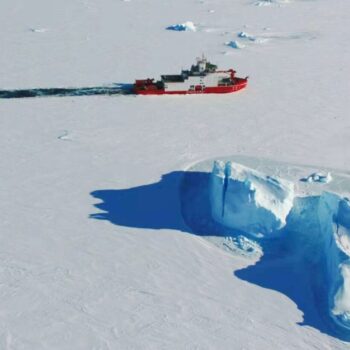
<point x="249" y="37"/>
<point x="271" y="2"/>
<point x="235" y="44"/>
<point x="318" y="177"/>
<point x="244" y="35"/>
<point x="264" y="3"/>
<point x="187" y="26"/>
<point x="242" y="245"/>
<point x="246" y="244"/>
<point x="64" y="136"/>
<point x="38" y="30"/>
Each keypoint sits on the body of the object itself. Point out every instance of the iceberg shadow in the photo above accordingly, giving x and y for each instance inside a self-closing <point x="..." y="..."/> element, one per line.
<point x="293" y="278"/>
<point x="153" y="206"/>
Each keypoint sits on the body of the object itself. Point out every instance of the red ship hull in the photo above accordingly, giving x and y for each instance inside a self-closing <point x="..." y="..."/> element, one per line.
<point x="206" y="90"/>
<point x="153" y="90"/>
<point x="201" y="78"/>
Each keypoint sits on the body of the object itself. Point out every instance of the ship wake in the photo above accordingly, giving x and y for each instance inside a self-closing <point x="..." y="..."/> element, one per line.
<point x="115" y="89"/>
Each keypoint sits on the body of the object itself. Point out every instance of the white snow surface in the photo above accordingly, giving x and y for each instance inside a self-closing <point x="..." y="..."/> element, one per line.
<point x="68" y="281"/>
<point x="249" y="201"/>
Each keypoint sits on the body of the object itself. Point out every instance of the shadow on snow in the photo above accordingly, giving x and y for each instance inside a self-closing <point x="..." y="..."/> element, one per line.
<point x="153" y="206"/>
<point x="180" y="201"/>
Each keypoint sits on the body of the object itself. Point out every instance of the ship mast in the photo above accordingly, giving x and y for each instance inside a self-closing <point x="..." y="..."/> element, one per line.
<point x="201" y="63"/>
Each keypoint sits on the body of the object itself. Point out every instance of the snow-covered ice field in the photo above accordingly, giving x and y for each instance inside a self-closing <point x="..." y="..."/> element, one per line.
<point x="129" y="274"/>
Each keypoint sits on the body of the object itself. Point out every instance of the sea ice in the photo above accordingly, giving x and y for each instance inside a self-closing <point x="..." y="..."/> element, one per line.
<point x="249" y="201"/>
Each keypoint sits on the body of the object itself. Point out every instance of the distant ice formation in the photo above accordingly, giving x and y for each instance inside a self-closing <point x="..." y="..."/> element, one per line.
<point x="249" y="201"/>
<point x="64" y="136"/>
<point x="187" y="26"/>
<point x="235" y="44"/>
<point x="251" y="38"/>
<point x="264" y="3"/>
<point x="270" y="2"/>
<point x="317" y="227"/>
<point x="38" y="30"/>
